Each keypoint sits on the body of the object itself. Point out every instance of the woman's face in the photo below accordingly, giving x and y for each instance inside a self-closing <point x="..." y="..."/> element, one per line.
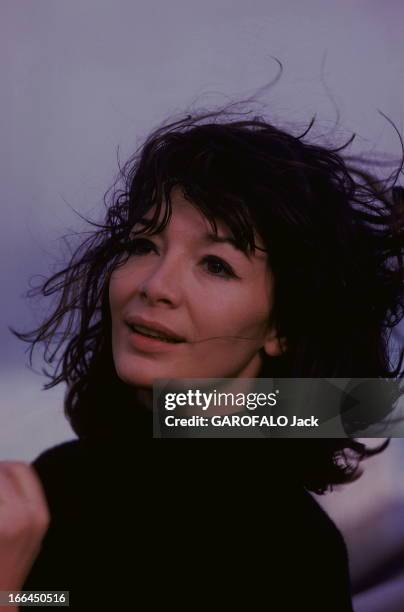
<point x="209" y="293"/>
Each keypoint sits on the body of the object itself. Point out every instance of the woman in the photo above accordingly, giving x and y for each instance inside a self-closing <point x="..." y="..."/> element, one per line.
<point x="263" y="256"/>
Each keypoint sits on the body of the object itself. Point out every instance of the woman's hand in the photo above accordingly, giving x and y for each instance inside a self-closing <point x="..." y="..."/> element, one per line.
<point x="24" y="520"/>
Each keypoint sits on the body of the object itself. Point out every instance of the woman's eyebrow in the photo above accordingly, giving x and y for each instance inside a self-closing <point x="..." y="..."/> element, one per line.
<point x="208" y="237"/>
<point x="211" y="238"/>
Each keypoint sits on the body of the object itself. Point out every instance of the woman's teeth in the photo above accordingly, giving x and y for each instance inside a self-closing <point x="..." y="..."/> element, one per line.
<point x="150" y="334"/>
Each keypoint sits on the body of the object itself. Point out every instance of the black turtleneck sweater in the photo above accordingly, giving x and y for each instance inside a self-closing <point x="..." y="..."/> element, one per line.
<point x="139" y="523"/>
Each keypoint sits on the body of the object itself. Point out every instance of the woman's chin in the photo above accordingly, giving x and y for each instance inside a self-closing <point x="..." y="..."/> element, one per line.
<point x="136" y="380"/>
<point x="141" y="377"/>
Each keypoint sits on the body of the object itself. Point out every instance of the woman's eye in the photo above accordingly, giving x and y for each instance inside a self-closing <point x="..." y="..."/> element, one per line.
<point x="214" y="265"/>
<point x="217" y="267"/>
<point x="140" y="246"/>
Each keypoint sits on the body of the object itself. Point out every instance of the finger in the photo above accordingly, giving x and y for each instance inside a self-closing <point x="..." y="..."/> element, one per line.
<point x="8" y="488"/>
<point x="25" y="482"/>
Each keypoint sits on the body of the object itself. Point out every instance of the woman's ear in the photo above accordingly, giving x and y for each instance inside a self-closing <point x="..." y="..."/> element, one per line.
<point x="274" y="345"/>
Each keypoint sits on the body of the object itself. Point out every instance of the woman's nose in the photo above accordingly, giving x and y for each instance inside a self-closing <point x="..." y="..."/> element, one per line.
<point x="163" y="283"/>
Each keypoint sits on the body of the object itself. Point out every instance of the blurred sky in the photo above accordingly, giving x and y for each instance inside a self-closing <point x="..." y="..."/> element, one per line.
<point x="81" y="78"/>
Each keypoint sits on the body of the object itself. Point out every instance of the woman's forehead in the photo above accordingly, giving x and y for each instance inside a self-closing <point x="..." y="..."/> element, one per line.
<point x="186" y="211"/>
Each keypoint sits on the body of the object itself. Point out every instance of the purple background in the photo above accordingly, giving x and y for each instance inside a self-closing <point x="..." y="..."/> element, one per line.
<point x="81" y="78"/>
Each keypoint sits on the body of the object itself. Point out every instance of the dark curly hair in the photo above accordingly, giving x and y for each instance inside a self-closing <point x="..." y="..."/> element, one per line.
<point x="334" y="235"/>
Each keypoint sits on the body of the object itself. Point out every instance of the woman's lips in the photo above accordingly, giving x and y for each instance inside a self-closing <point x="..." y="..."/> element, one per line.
<point x="139" y="324"/>
<point x="148" y="344"/>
